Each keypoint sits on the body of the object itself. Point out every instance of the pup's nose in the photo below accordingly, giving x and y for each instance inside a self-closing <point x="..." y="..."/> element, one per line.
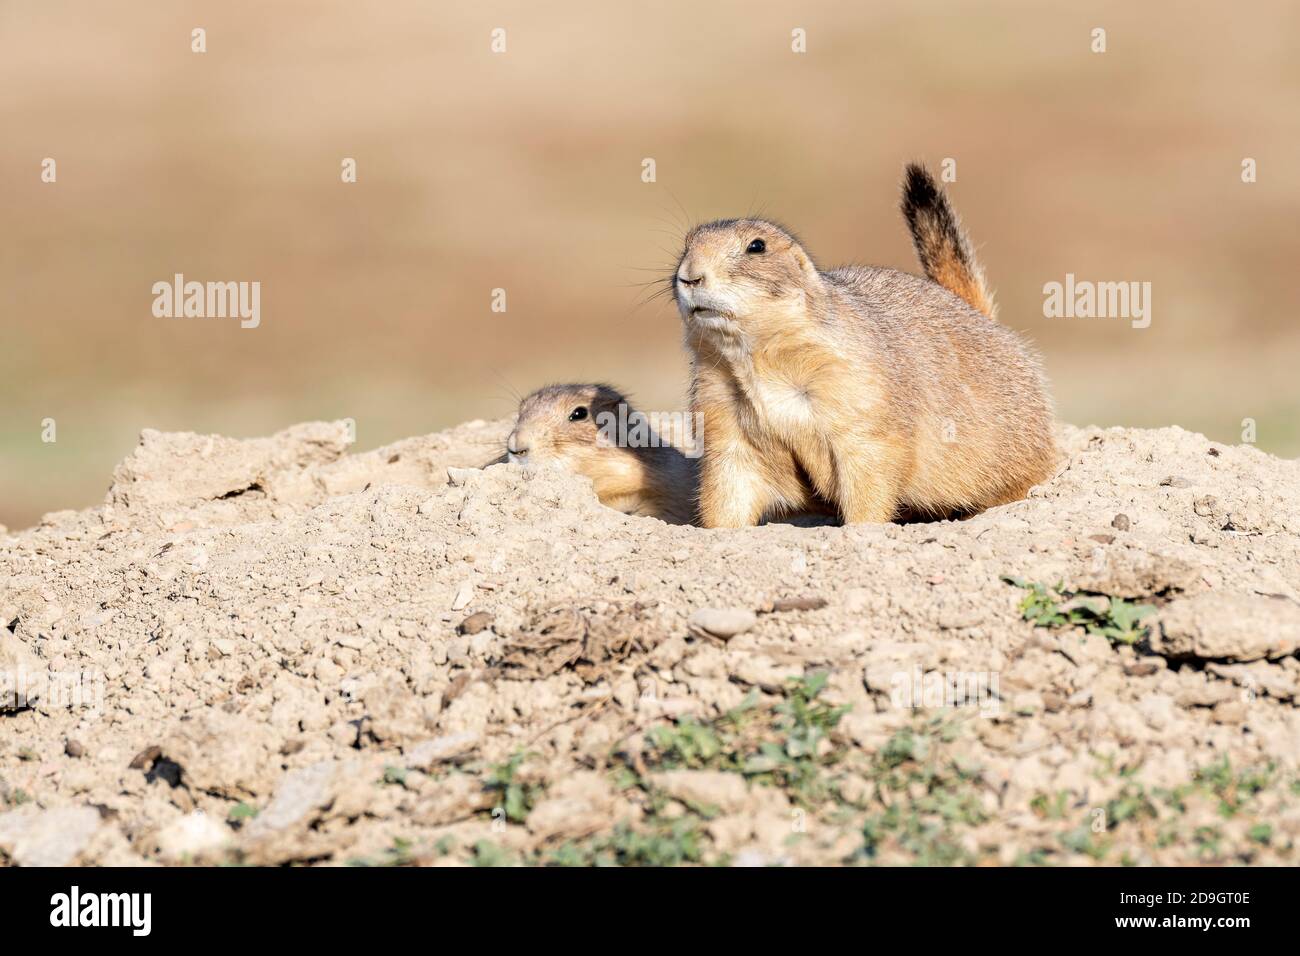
<point x="517" y="444"/>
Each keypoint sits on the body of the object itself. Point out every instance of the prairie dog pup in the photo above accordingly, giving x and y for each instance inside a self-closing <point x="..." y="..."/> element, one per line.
<point x="880" y="391"/>
<point x="564" y="426"/>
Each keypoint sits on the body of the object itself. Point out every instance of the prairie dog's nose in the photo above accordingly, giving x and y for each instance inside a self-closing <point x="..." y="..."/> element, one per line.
<point x="690" y="272"/>
<point x="518" y="442"/>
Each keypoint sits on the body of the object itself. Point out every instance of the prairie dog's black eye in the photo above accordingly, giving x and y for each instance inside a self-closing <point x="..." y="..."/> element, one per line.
<point x="757" y="247"/>
<point x="578" y="414"/>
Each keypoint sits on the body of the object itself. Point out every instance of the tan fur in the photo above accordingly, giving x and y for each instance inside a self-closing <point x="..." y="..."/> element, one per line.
<point x="657" y="482"/>
<point x="942" y="245"/>
<point x="880" y="392"/>
<point x="958" y="280"/>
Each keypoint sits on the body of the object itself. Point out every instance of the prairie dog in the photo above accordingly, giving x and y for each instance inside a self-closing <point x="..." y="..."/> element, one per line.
<point x="882" y="392"/>
<point x="567" y="426"/>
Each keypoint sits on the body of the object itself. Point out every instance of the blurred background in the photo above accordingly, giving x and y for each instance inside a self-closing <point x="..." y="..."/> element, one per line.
<point x="522" y="170"/>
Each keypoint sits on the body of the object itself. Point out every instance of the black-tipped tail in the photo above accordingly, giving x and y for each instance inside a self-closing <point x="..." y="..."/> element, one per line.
<point x="941" y="243"/>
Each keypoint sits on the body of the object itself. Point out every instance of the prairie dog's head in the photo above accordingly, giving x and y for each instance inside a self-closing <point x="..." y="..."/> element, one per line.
<point x="558" y="425"/>
<point x="738" y="276"/>
<point x="592" y="430"/>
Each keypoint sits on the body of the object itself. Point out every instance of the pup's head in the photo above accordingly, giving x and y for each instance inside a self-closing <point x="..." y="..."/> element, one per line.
<point x="741" y="278"/>
<point x="559" y="425"/>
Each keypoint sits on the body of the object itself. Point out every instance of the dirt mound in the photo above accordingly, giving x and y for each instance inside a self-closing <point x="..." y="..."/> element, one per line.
<point x="272" y="650"/>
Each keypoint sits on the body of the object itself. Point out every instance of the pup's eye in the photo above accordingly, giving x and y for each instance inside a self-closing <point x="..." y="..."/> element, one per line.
<point x="757" y="247"/>
<point x="578" y="414"/>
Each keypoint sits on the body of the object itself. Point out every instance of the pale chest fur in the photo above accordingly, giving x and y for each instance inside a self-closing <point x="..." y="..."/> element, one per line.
<point x="812" y="404"/>
<point x="778" y="406"/>
<point x="792" y="394"/>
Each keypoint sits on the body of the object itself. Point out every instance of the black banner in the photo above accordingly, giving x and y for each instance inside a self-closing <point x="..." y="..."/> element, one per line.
<point x="338" y="905"/>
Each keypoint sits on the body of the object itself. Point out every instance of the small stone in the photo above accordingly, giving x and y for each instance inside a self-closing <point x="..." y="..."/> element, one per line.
<point x="464" y="594"/>
<point x="704" y="788"/>
<point x="448" y="749"/>
<point x="799" y="604"/>
<point x="74" y="748"/>
<point x="1080" y="698"/>
<point x="30" y="836"/>
<point x="476" y="622"/>
<point x="191" y="837"/>
<point x="1175" y="481"/>
<point x="1101" y="538"/>
<point x="299" y="793"/>
<point x="1223" y="626"/>
<point x="759" y="670"/>
<point x="1144" y="666"/>
<point x="1121" y="522"/>
<point x="1097" y="604"/>
<point x="145" y="758"/>
<point x="1229" y="712"/>
<point x="724" y="623"/>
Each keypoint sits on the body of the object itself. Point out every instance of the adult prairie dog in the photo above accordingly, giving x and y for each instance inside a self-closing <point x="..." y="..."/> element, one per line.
<point x="881" y="392"/>
<point x="593" y="430"/>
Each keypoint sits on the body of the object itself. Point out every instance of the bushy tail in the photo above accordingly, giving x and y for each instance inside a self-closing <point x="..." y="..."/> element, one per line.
<point x="941" y="243"/>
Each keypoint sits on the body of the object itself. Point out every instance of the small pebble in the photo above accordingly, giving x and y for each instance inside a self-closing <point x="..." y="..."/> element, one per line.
<point x="74" y="748"/>
<point x="145" y="758"/>
<point x="464" y="595"/>
<point x="1144" y="666"/>
<point x="1120" y="522"/>
<point x="474" y="623"/>
<point x="723" y="622"/>
<point x="799" y="604"/>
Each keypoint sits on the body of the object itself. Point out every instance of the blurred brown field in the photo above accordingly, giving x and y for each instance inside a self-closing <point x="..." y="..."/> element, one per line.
<point x="522" y="171"/>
